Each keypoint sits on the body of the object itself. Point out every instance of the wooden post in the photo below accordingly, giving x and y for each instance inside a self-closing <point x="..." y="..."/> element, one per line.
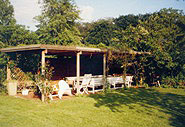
<point x="104" y="65"/>
<point x="78" y="71"/>
<point x="104" y="69"/>
<point x="43" y="65"/>
<point x="43" y="61"/>
<point x="8" y="73"/>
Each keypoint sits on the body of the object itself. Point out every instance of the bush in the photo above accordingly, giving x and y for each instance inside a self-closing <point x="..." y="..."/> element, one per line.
<point x="169" y="82"/>
<point x="2" y="74"/>
<point x="3" y="89"/>
<point x="173" y="82"/>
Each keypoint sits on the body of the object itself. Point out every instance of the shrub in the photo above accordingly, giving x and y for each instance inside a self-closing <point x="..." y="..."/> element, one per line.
<point x="173" y="82"/>
<point x="3" y="89"/>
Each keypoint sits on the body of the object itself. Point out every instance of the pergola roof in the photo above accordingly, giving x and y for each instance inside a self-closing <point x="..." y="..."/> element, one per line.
<point x="54" y="49"/>
<point x="58" y="49"/>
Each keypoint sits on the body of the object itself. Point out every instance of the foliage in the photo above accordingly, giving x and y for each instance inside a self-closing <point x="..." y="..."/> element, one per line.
<point x="106" y="31"/>
<point x="41" y="80"/>
<point x="160" y="33"/>
<point x="174" y="82"/>
<point x="23" y="78"/>
<point x="14" y="35"/>
<point x="84" y="28"/>
<point x="139" y="70"/>
<point x="27" y="61"/>
<point x="6" y="18"/>
<point x="162" y="36"/>
<point x="3" y="89"/>
<point x="123" y="22"/>
<point x="100" y="32"/>
<point x="169" y="82"/>
<point x="6" y="13"/>
<point x="41" y="85"/>
<point x="3" y="62"/>
<point x="26" y="73"/>
<point x="57" y="23"/>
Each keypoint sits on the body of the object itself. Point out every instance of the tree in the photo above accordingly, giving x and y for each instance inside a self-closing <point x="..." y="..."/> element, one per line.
<point x="13" y="35"/>
<point x="162" y="35"/>
<point x="6" y="13"/>
<point x="124" y="21"/>
<point x="84" y="28"/>
<point x="101" y="31"/>
<point x="57" y="23"/>
<point x="6" y="19"/>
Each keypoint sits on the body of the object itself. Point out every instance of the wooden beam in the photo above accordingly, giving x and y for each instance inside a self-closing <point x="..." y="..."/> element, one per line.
<point x="8" y="73"/>
<point x="43" y="65"/>
<point x="78" y="71"/>
<point x="43" y="61"/>
<point x="104" y="69"/>
<point x="104" y="64"/>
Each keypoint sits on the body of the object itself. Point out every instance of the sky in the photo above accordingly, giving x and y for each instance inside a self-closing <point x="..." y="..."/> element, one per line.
<point x="92" y="10"/>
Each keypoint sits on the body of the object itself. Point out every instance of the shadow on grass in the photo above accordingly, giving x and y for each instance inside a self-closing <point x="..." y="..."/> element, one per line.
<point x="172" y="104"/>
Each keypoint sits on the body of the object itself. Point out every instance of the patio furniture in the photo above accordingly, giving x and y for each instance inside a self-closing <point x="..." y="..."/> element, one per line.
<point x="95" y="82"/>
<point x="59" y="89"/>
<point x="112" y="81"/>
<point x="115" y="80"/>
<point x="85" y="83"/>
<point x="119" y="81"/>
<point x="54" y="93"/>
<point x="128" y="80"/>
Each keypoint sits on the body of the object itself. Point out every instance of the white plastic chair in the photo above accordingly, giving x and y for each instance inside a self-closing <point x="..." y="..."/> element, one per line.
<point x="95" y="82"/>
<point x="120" y="81"/>
<point x="85" y="82"/>
<point x="114" y="81"/>
<point x="62" y="88"/>
<point x="128" y="80"/>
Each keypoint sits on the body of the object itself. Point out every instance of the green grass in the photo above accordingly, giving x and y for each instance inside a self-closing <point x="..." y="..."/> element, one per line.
<point x="120" y="108"/>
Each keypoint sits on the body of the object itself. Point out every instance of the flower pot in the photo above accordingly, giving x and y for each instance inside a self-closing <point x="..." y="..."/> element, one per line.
<point x="25" y="92"/>
<point x="12" y="87"/>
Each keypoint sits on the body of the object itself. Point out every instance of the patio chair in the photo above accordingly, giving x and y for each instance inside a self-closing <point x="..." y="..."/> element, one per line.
<point x="59" y="89"/>
<point x="112" y="82"/>
<point x="95" y="82"/>
<point x="119" y="82"/>
<point x="85" y="82"/>
<point x="115" y="81"/>
<point x="128" y="81"/>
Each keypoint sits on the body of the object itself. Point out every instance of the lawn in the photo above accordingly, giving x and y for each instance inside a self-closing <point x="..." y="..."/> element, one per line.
<point x="120" y="108"/>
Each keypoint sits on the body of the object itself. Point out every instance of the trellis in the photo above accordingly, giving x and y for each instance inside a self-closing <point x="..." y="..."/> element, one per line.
<point x="21" y="77"/>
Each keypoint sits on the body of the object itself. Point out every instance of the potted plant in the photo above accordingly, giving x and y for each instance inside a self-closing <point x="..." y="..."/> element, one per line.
<point x="25" y="91"/>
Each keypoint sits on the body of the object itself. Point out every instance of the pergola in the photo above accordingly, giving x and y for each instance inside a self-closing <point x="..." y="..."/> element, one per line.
<point x="56" y="49"/>
<point x="77" y="51"/>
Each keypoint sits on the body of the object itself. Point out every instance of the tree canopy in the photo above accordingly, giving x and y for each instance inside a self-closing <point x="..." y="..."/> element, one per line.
<point x="6" y="13"/>
<point x="100" y="32"/>
<point x="163" y="35"/>
<point x="57" y="23"/>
